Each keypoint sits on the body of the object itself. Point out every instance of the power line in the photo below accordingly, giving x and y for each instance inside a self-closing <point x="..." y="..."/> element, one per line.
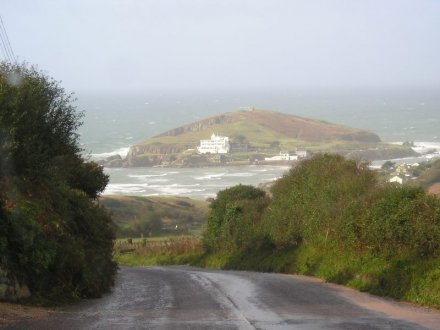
<point x="3" y="46"/>
<point x="6" y="43"/>
<point x="7" y="39"/>
<point x="5" y="53"/>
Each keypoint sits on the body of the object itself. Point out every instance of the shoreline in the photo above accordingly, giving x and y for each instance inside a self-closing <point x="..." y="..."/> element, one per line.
<point x="425" y="150"/>
<point x="205" y="181"/>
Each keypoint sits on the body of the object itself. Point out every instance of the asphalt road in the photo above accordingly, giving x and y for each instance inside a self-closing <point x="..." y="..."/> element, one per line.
<point x="192" y="298"/>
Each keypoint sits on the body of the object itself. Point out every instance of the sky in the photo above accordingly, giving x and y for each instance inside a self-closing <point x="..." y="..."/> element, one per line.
<point x="131" y="45"/>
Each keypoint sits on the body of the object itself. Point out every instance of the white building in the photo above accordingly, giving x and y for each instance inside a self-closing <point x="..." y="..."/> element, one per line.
<point x="301" y="153"/>
<point x="216" y="145"/>
<point x="283" y="156"/>
<point x="397" y="179"/>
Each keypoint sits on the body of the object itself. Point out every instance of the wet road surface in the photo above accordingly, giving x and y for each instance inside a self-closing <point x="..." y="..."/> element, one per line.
<point x="192" y="298"/>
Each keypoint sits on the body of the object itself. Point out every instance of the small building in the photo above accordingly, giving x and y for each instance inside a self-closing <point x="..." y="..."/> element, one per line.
<point x="283" y="156"/>
<point x="216" y="145"/>
<point x="402" y="169"/>
<point x="301" y="153"/>
<point x="397" y="179"/>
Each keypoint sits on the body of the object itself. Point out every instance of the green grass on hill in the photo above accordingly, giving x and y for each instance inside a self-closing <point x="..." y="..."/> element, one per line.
<point x="257" y="136"/>
<point x="155" y="216"/>
<point x="429" y="174"/>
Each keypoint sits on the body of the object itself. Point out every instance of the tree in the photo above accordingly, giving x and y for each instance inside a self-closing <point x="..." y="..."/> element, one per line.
<point x="317" y="198"/>
<point x="388" y="165"/>
<point x="228" y="212"/>
<point x="38" y="121"/>
<point x="54" y="237"/>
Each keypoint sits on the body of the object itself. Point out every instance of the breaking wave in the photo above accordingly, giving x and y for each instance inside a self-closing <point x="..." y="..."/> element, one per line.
<point x="123" y="152"/>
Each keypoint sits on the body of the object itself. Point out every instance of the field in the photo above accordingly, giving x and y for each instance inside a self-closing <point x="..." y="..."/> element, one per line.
<point x="155" y="216"/>
<point x="157" y="250"/>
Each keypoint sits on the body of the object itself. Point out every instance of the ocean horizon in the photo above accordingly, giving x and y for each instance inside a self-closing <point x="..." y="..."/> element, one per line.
<point x="114" y="121"/>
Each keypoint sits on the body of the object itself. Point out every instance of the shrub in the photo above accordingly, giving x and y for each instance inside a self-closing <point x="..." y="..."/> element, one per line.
<point x="233" y="218"/>
<point x="54" y="237"/>
<point x="316" y="198"/>
<point x="403" y="220"/>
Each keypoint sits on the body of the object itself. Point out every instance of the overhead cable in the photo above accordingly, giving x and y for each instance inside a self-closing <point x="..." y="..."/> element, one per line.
<point x="3" y="46"/>
<point x="6" y="43"/>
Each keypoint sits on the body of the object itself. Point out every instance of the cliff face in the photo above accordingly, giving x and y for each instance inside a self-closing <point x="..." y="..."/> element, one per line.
<point x="199" y="126"/>
<point x="154" y="154"/>
<point x="162" y="149"/>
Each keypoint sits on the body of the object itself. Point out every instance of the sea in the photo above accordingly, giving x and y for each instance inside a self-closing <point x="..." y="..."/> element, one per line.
<point x="114" y="121"/>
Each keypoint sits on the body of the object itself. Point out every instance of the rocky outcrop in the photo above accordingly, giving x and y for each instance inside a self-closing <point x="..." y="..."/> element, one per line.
<point x="113" y="161"/>
<point x="154" y="154"/>
<point x="158" y="149"/>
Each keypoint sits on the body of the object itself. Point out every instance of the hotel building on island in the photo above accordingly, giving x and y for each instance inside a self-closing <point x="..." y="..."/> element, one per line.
<point x="216" y="145"/>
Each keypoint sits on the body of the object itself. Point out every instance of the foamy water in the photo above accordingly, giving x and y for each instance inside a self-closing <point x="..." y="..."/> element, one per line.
<point x="202" y="183"/>
<point x="427" y="150"/>
<point x="123" y="152"/>
<point x="198" y="183"/>
<point x="113" y="122"/>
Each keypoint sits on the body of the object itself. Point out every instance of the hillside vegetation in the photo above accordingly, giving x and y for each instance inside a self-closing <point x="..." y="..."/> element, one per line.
<point x="328" y="217"/>
<point x="55" y="240"/>
<point x="331" y="217"/>
<point x="429" y="177"/>
<point x="266" y="133"/>
<point x="155" y="216"/>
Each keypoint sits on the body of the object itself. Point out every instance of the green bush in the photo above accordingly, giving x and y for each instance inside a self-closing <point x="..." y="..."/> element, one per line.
<point x="429" y="173"/>
<point x="333" y="218"/>
<point x="54" y="237"/>
<point x="403" y="220"/>
<point x="319" y="200"/>
<point x="233" y="219"/>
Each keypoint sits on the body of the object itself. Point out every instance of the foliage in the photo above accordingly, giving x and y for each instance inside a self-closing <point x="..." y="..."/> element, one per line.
<point x="158" y="251"/>
<point x="328" y="217"/>
<point x="317" y="200"/>
<point x="54" y="237"/>
<point x="37" y="123"/>
<point x="233" y="218"/>
<point x="333" y="218"/>
<point x="403" y="220"/>
<point x="136" y="216"/>
<point x="388" y="165"/>
<point x="429" y="174"/>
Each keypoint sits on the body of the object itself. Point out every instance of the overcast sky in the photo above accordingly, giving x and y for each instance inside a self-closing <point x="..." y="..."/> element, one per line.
<point x="228" y="44"/>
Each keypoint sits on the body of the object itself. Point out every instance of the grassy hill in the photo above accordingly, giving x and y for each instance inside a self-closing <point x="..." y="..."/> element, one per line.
<point x="429" y="178"/>
<point x="266" y="133"/>
<point x="154" y="216"/>
<point x="261" y="128"/>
